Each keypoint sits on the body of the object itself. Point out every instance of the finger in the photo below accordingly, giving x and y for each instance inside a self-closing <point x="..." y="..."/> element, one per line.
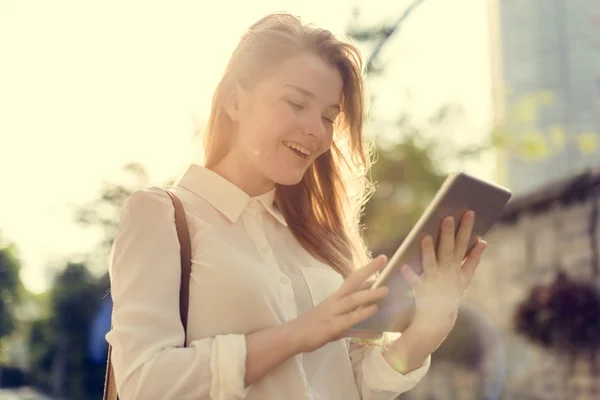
<point x="463" y="236"/>
<point x="354" y="281"/>
<point x="413" y="280"/>
<point x="348" y="320"/>
<point x="472" y="261"/>
<point x="428" y="254"/>
<point x="368" y="284"/>
<point x="445" y="256"/>
<point x="360" y="298"/>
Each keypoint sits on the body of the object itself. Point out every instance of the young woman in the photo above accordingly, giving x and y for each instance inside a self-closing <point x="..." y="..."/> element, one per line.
<point x="273" y="218"/>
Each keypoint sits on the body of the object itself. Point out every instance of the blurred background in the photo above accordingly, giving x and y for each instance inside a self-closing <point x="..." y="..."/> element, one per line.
<point x="98" y="99"/>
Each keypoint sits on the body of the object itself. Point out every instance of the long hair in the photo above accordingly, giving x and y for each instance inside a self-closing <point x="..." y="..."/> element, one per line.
<point x="323" y="210"/>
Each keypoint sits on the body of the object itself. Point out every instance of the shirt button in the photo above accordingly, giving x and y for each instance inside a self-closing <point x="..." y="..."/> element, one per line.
<point x="265" y="250"/>
<point x="284" y="280"/>
<point x="253" y="207"/>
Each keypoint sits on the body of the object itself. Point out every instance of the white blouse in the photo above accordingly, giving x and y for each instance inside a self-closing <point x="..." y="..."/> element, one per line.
<point x="248" y="273"/>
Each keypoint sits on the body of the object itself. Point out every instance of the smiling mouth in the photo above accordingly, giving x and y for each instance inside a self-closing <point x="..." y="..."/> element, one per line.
<point x="300" y="151"/>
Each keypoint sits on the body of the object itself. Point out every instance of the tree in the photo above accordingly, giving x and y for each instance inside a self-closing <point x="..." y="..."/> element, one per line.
<point x="407" y="177"/>
<point x="11" y="292"/>
<point x="103" y="212"/>
<point x="378" y="36"/>
<point x="411" y="160"/>
<point x="59" y="341"/>
<point x="11" y="289"/>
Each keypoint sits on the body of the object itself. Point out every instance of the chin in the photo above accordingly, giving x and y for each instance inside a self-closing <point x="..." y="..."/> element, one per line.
<point x="288" y="178"/>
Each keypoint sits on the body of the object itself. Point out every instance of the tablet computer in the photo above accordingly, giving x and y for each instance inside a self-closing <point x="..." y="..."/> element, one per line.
<point x="459" y="193"/>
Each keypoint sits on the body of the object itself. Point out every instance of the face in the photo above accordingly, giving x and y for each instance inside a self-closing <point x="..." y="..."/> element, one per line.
<point x="284" y="123"/>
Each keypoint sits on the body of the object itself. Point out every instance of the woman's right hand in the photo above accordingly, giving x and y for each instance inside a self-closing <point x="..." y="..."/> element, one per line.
<point x="331" y="319"/>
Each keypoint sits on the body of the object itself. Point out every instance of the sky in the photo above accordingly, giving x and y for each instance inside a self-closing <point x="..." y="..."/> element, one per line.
<point x="86" y="87"/>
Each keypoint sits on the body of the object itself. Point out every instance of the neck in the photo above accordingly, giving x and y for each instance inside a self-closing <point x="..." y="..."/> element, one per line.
<point x="246" y="177"/>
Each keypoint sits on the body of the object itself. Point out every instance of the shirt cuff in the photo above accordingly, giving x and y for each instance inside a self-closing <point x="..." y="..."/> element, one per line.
<point x="379" y="375"/>
<point x="228" y="367"/>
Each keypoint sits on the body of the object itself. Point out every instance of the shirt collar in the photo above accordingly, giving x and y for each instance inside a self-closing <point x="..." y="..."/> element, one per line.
<point x="226" y="197"/>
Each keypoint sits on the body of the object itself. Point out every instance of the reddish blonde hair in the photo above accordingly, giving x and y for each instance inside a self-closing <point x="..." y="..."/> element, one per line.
<point x="323" y="210"/>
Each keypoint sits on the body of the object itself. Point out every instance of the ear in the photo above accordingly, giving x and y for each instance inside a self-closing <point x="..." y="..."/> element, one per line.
<point x="233" y="102"/>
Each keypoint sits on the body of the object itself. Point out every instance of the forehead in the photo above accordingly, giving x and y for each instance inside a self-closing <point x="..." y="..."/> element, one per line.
<point x="310" y="73"/>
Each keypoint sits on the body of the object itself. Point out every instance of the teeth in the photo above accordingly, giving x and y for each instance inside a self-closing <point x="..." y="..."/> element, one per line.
<point x="296" y="146"/>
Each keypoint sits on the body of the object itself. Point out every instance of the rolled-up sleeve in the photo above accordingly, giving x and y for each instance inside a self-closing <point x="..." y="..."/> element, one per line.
<point x="147" y="337"/>
<point x="375" y="378"/>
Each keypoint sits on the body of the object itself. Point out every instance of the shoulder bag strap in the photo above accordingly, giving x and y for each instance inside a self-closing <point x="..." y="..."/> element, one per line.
<point x="183" y="234"/>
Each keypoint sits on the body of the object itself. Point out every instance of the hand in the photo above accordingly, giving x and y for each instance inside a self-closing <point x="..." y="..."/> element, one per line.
<point x="446" y="276"/>
<point x="331" y="319"/>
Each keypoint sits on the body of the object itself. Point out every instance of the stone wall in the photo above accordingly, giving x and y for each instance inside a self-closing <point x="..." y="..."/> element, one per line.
<point x="536" y="237"/>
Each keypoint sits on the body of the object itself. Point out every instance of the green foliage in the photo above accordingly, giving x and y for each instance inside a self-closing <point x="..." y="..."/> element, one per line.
<point x="521" y="134"/>
<point x="58" y="342"/>
<point x="11" y="289"/>
<point x="11" y="293"/>
<point x="103" y="212"/>
<point x="379" y="35"/>
<point x="407" y="178"/>
<point x="42" y="343"/>
<point x="411" y="159"/>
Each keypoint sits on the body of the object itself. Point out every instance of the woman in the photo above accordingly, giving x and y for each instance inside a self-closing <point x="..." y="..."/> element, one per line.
<point x="275" y="239"/>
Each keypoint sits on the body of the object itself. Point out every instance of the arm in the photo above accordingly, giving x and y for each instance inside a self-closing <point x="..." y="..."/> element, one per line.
<point x="147" y="336"/>
<point x="375" y="377"/>
<point x="260" y="357"/>
<point x="411" y="349"/>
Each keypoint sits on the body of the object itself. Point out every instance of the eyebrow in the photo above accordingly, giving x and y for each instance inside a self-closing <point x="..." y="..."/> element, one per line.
<point x="310" y="94"/>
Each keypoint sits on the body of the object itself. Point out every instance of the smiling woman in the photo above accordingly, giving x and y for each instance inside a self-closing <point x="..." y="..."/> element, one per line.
<point x="273" y="288"/>
<point x="311" y="76"/>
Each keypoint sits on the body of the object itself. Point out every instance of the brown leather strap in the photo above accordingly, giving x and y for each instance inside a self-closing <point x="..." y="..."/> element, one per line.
<point x="185" y="251"/>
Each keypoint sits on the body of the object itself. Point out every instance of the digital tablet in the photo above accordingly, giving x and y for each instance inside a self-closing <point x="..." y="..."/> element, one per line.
<point x="459" y="193"/>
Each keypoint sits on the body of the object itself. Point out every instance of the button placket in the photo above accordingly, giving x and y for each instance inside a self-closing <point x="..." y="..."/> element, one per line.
<point x="283" y="279"/>
<point x="253" y="220"/>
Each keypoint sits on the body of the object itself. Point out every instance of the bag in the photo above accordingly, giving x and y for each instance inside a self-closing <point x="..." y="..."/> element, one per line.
<point x="183" y="234"/>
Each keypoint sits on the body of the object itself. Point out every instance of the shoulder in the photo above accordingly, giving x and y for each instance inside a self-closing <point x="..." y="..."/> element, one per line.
<point x="146" y="204"/>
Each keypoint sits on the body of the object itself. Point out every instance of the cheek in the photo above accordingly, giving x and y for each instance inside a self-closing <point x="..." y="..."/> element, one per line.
<point x="327" y="141"/>
<point x="271" y="126"/>
<point x="283" y="119"/>
<point x="260" y="140"/>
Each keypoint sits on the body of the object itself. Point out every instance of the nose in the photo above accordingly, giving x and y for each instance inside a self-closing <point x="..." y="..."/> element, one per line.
<point x="315" y="127"/>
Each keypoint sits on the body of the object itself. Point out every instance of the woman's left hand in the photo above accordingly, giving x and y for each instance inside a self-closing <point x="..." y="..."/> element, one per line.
<point x="446" y="275"/>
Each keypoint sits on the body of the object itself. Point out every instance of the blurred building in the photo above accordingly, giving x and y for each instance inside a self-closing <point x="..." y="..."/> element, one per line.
<point x="556" y="228"/>
<point x="552" y="229"/>
<point x="545" y="60"/>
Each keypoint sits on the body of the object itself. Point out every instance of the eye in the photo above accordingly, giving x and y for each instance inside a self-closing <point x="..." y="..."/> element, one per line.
<point x="330" y="120"/>
<point x="296" y="106"/>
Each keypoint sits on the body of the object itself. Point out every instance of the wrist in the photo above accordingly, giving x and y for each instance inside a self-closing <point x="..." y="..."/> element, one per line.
<point x="429" y="322"/>
<point x="293" y="337"/>
<point x="410" y="350"/>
